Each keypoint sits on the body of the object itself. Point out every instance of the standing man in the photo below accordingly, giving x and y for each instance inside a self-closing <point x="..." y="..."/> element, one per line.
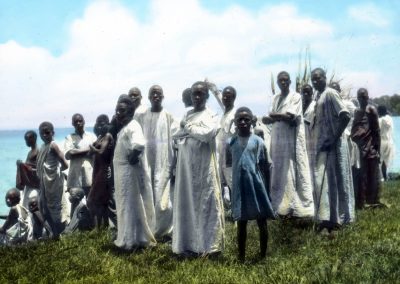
<point x="158" y="126"/>
<point x="77" y="151"/>
<point x="365" y="133"/>
<point x="333" y="185"/>
<point x="291" y="187"/>
<point x="226" y="132"/>
<point x="136" y="96"/>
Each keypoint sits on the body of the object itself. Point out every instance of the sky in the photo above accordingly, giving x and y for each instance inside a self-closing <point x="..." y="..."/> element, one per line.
<point x="63" y="57"/>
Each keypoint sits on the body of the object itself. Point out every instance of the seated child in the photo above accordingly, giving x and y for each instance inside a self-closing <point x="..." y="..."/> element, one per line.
<point x="80" y="215"/>
<point x="250" y="200"/>
<point x="40" y="227"/>
<point x="16" y="227"/>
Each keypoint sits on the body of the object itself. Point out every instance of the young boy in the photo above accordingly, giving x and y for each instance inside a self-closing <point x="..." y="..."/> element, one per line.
<point x="101" y="191"/>
<point x="27" y="179"/>
<point x="15" y="229"/>
<point x="38" y="222"/>
<point x="80" y="216"/>
<point x="250" y="200"/>
<point x="50" y="164"/>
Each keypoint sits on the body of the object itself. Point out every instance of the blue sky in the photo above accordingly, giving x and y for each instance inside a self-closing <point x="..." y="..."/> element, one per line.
<point x="78" y="56"/>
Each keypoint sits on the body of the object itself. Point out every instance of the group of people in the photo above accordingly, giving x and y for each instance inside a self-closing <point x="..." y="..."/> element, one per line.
<point x="314" y="156"/>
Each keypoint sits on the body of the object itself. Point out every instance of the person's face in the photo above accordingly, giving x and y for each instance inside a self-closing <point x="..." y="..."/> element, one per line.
<point x="78" y="122"/>
<point x="122" y="113"/>
<point x="33" y="205"/>
<point x="100" y="126"/>
<point x="362" y="97"/>
<point x="46" y="133"/>
<point x="156" y="97"/>
<point x="283" y="82"/>
<point x="199" y="99"/>
<point x="306" y="95"/>
<point x="318" y="81"/>
<point x="30" y="140"/>
<point x="11" y="200"/>
<point x="136" y="97"/>
<point x="243" y="122"/>
<point x="228" y="98"/>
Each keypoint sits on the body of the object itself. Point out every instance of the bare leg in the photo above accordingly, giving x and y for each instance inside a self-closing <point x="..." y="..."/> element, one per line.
<point x="241" y="236"/>
<point x="262" y="226"/>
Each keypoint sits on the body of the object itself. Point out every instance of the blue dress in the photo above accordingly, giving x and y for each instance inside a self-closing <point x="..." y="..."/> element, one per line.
<point x="250" y="199"/>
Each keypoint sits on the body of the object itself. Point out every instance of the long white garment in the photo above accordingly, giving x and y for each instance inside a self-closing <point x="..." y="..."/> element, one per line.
<point x="139" y="110"/>
<point x="158" y="128"/>
<point x="333" y="183"/>
<point x="291" y="186"/>
<point x="307" y="129"/>
<point x="354" y="152"/>
<point x="387" y="145"/>
<point x="226" y="131"/>
<point x="198" y="211"/>
<point x="133" y="194"/>
<point x="80" y="168"/>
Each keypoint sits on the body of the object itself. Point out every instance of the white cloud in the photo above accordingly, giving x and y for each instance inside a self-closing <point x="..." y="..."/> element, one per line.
<point x="109" y="51"/>
<point x="369" y="13"/>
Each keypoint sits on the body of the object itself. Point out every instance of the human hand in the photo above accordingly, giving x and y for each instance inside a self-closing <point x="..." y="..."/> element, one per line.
<point x="327" y="145"/>
<point x="133" y="158"/>
<point x="183" y="123"/>
<point x="19" y="162"/>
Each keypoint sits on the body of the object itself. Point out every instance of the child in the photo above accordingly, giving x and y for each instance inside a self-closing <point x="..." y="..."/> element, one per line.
<point x="101" y="190"/>
<point x="80" y="216"/>
<point x="15" y="229"/>
<point x="50" y="164"/>
<point x="249" y="194"/>
<point x="27" y="179"/>
<point x="38" y="222"/>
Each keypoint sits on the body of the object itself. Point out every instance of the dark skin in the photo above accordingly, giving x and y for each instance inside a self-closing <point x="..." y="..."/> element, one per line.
<point x="99" y="125"/>
<point x="283" y="84"/>
<point x="47" y="135"/>
<point x="186" y="97"/>
<point x="156" y="97"/>
<point x="78" y="122"/>
<point x="123" y="114"/>
<point x="243" y="122"/>
<point x="306" y="96"/>
<point x="30" y="141"/>
<point x="228" y="99"/>
<point x="199" y="99"/>
<point x="12" y="199"/>
<point x="34" y="209"/>
<point x="318" y="79"/>
<point x="136" y="96"/>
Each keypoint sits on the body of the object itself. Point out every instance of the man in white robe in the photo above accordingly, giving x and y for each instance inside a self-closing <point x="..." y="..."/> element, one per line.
<point x="387" y="145"/>
<point x="291" y="186"/>
<point x="158" y="126"/>
<point x="198" y="217"/>
<point x="133" y="194"/>
<point x="77" y="151"/>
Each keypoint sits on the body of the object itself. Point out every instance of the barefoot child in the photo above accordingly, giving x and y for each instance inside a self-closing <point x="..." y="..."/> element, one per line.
<point x="249" y="194"/>
<point x="15" y="228"/>
<point x="50" y="164"/>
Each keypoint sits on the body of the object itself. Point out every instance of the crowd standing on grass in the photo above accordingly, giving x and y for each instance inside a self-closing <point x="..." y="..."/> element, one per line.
<point x="152" y="178"/>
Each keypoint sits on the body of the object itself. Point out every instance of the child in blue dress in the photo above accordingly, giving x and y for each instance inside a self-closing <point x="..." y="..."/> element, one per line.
<point x="250" y="200"/>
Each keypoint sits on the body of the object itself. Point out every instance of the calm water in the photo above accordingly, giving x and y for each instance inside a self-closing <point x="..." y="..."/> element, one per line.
<point x="13" y="148"/>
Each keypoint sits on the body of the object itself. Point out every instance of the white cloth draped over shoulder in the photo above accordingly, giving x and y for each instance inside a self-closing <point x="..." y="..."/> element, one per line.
<point x="198" y="211"/>
<point x="158" y="128"/>
<point x="226" y="132"/>
<point x="332" y="178"/>
<point x="133" y="194"/>
<point x="291" y="186"/>
<point x="80" y="168"/>
<point x="387" y="145"/>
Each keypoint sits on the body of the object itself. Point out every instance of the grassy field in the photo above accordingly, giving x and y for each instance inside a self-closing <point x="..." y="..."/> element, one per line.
<point x="367" y="251"/>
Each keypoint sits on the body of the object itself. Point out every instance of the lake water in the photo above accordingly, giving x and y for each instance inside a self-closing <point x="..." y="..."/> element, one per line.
<point x="12" y="148"/>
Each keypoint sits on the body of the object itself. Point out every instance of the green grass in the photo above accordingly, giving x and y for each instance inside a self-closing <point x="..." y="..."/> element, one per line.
<point x="367" y="251"/>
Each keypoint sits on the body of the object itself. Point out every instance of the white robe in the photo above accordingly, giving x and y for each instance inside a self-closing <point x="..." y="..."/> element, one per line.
<point x="291" y="186"/>
<point x="158" y="128"/>
<point x="387" y="145"/>
<point x="198" y="211"/>
<point x="133" y="194"/>
<point x="226" y="131"/>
